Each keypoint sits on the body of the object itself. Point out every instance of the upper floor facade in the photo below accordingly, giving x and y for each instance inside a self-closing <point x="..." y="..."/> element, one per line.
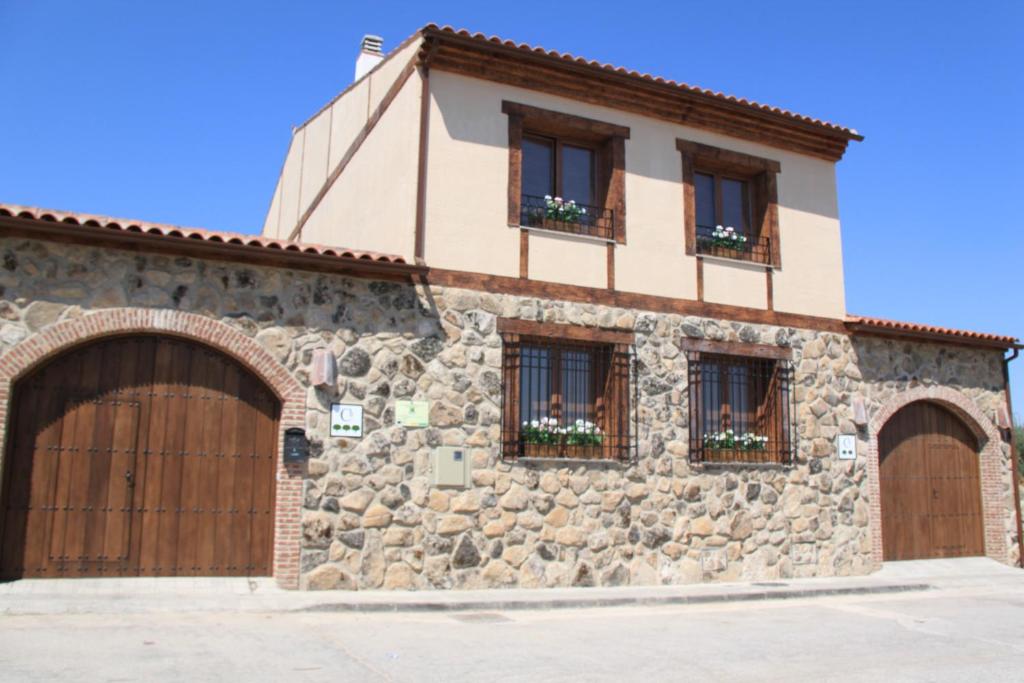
<point x="494" y="160"/>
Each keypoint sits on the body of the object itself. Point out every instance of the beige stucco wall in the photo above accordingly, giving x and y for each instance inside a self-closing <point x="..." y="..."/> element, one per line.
<point x="317" y="147"/>
<point x="568" y="260"/>
<point x="467" y="204"/>
<point x="738" y="284"/>
<point x="372" y="205"/>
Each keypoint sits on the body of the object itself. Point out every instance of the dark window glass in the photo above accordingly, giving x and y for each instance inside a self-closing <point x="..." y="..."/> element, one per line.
<point x="732" y="392"/>
<point x="704" y="188"/>
<point x="578" y="174"/>
<point x="577" y="387"/>
<point x="734" y="205"/>
<point x="538" y="167"/>
<point x="535" y="383"/>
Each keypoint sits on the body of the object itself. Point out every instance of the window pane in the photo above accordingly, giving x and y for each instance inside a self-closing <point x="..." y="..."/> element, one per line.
<point x="704" y="189"/>
<point x="734" y="205"/>
<point x="739" y="399"/>
<point x="538" y="167"/>
<point x="578" y="174"/>
<point x="534" y="383"/>
<point x="711" y="397"/>
<point x="577" y="387"/>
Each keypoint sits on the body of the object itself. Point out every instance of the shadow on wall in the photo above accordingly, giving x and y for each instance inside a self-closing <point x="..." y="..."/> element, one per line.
<point x="471" y="112"/>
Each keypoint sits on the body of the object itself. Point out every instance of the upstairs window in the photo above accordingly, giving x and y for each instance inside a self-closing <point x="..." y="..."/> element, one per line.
<point x="566" y="173"/>
<point x="554" y="168"/>
<point x="565" y="397"/>
<point x="731" y="205"/>
<point x="741" y="409"/>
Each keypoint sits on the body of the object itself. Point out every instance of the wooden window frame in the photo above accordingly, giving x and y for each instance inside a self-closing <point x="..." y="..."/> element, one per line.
<point x="761" y="176"/>
<point x="612" y="387"/>
<point x="608" y="140"/>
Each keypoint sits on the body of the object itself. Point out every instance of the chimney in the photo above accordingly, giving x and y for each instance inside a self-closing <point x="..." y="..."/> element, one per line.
<point x="370" y="55"/>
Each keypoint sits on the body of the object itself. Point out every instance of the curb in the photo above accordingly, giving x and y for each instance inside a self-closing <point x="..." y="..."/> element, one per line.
<point x="596" y="602"/>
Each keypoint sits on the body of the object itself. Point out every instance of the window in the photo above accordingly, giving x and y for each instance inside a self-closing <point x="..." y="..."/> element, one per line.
<point x="731" y="205"/>
<point x="566" y="173"/>
<point x="554" y="168"/>
<point x="565" y="392"/>
<point x="741" y="408"/>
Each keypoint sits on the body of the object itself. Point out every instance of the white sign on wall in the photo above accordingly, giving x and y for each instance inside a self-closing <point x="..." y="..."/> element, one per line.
<point x="346" y="420"/>
<point x="846" y="444"/>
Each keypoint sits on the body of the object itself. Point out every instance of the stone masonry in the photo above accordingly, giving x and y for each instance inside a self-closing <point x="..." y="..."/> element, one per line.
<point x="370" y="519"/>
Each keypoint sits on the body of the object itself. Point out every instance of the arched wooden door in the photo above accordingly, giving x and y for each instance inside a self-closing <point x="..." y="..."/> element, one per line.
<point x="931" y="488"/>
<point x="139" y="456"/>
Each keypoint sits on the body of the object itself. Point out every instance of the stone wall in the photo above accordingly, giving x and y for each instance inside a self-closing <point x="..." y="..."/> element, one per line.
<point x="369" y="517"/>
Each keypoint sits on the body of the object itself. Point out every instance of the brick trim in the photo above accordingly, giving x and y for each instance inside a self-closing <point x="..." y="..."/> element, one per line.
<point x="992" y="465"/>
<point x="29" y="353"/>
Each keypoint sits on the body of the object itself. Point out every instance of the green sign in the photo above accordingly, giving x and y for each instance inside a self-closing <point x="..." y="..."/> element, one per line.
<point x="412" y="413"/>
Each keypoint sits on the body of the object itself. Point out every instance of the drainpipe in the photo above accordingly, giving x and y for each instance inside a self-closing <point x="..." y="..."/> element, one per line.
<point x="1013" y="456"/>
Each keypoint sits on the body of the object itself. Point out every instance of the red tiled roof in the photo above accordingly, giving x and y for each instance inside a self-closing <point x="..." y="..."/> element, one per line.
<point x="896" y="327"/>
<point x="480" y="37"/>
<point x="176" y="232"/>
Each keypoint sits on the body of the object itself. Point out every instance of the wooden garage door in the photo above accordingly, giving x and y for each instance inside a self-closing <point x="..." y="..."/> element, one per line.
<point x="139" y="456"/>
<point x="931" y="490"/>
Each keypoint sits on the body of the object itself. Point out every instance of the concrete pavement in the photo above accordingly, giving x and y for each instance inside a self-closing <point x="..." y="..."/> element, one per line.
<point x="150" y="595"/>
<point x="960" y="630"/>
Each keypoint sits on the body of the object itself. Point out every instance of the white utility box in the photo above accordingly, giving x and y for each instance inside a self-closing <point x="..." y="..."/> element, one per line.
<point x="846" y="445"/>
<point x="449" y="466"/>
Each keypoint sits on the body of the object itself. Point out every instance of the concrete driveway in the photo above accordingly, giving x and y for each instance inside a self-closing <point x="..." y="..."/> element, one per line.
<point x="965" y="629"/>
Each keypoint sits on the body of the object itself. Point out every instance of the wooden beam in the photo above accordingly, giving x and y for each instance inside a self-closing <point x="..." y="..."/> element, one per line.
<point x="500" y="284"/>
<point x="530" y="328"/>
<point x="737" y="349"/>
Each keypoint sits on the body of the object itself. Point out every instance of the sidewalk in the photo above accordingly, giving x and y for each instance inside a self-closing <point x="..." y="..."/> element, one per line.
<point x="149" y="595"/>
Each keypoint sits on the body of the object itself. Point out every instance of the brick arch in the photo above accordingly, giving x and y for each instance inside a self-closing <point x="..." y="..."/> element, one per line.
<point x="990" y="454"/>
<point x="65" y="335"/>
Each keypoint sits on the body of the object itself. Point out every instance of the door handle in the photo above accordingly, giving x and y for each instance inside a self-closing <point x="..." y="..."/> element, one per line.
<point x="129" y="477"/>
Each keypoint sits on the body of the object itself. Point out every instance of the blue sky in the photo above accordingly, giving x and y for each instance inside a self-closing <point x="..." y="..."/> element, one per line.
<point x="181" y="112"/>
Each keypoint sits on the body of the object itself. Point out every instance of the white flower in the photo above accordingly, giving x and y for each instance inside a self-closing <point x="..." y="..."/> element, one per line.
<point x="583" y="211"/>
<point x="558" y="200"/>
<point x="535" y="424"/>
<point x="729" y="229"/>
<point x="547" y="197"/>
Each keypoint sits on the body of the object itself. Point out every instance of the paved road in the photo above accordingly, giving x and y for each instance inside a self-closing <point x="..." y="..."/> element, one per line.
<point x="952" y="635"/>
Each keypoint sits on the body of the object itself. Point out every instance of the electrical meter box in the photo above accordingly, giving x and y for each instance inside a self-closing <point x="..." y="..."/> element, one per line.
<point x="449" y="466"/>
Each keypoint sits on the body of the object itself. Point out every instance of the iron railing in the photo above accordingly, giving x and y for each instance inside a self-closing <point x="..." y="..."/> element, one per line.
<point x="757" y="249"/>
<point x="742" y="410"/>
<point x="564" y="399"/>
<point x="577" y="219"/>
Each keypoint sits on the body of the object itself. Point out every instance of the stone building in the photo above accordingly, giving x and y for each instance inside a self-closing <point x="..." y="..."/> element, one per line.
<point x="600" y="340"/>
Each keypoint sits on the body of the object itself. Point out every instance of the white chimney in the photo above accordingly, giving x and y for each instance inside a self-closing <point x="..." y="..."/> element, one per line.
<point x="370" y="55"/>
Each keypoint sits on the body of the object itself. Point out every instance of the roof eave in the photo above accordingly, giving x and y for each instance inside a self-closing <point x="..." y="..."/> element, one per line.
<point x="954" y="338"/>
<point x="584" y="67"/>
<point x="289" y="256"/>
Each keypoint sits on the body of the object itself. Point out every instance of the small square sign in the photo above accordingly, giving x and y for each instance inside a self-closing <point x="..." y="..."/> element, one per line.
<point x="412" y="413"/>
<point x="846" y="444"/>
<point x="346" y="420"/>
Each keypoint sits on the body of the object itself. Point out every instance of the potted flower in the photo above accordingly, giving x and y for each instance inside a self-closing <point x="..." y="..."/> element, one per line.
<point x="546" y="438"/>
<point x="728" y="440"/>
<point x="562" y="211"/>
<point x="727" y="238"/>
